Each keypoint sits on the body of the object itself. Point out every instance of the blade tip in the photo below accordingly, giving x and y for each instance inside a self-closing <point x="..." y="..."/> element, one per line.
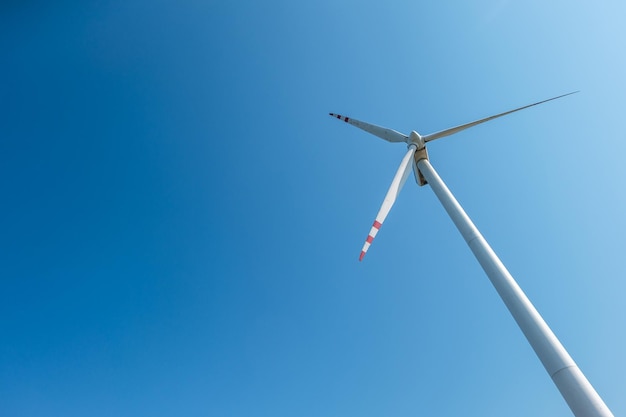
<point x="361" y="256"/>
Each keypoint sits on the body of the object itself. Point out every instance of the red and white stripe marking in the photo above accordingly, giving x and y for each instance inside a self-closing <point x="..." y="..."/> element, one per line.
<point x="340" y="117"/>
<point x="370" y="238"/>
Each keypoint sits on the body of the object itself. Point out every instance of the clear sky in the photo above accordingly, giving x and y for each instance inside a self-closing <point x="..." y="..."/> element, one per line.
<point x="180" y="220"/>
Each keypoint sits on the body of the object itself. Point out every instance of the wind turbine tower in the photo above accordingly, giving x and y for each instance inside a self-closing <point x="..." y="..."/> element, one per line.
<point x="580" y="396"/>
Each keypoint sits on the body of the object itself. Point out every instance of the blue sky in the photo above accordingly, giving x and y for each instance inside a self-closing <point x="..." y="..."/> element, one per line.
<point x="181" y="220"/>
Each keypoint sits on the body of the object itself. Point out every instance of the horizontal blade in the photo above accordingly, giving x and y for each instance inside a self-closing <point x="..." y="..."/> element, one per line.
<point x="396" y="185"/>
<point x="382" y="132"/>
<point x="457" y="129"/>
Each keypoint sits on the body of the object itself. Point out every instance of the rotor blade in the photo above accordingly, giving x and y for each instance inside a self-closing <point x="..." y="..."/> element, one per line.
<point x="456" y="129"/>
<point x="382" y="132"/>
<point x="396" y="185"/>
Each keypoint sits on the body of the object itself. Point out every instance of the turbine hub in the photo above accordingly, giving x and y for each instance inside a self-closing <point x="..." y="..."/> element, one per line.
<point x="417" y="139"/>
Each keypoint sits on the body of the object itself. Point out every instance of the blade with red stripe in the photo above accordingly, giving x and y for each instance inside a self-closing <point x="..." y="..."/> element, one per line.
<point x="396" y="185"/>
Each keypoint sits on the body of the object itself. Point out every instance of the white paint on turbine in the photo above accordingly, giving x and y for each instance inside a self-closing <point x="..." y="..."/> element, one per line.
<point x="579" y="394"/>
<point x="456" y="129"/>
<point x="396" y="185"/>
<point x="389" y="135"/>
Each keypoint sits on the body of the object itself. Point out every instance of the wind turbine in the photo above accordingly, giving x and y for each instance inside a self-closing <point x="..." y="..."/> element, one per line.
<point x="580" y="396"/>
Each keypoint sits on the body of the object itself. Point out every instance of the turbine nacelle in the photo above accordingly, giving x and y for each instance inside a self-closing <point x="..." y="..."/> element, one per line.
<point x="416" y="139"/>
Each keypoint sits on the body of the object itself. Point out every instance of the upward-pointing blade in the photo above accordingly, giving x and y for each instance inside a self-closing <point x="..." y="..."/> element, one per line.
<point x="457" y="129"/>
<point x="396" y="185"/>
<point x="382" y="132"/>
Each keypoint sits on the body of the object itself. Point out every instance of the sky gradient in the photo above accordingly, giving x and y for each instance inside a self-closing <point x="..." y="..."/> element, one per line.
<point x="181" y="221"/>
